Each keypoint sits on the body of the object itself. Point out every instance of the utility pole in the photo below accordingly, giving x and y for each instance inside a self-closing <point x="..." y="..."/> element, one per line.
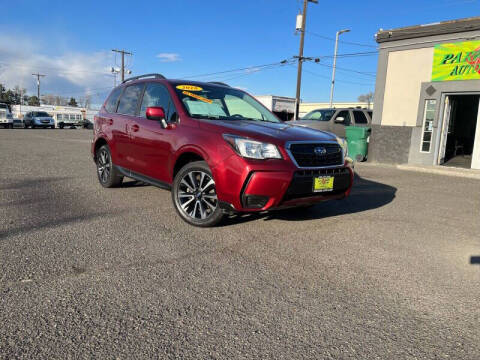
<point x="300" y="55"/>
<point x="340" y="32"/>
<point x="123" y="52"/>
<point x="38" y="84"/>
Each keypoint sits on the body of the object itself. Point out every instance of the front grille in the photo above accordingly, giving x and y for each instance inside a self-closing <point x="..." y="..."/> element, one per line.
<point x="305" y="156"/>
<point x="302" y="183"/>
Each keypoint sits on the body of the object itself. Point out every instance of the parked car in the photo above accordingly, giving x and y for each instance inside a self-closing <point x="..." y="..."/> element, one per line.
<point x="18" y="123"/>
<point x="216" y="148"/>
<point x="87" y="124"/>
<point x="36" y="119"/>
<point x="70" y="120"/>
<point x="335" y="120"/>
<point x="6" y="117"/>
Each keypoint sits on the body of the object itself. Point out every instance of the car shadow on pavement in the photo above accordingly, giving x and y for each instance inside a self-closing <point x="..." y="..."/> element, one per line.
<point x="365" y="195"/>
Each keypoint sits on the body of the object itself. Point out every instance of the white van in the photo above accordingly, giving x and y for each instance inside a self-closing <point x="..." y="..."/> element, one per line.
<point x="6" y="117"/>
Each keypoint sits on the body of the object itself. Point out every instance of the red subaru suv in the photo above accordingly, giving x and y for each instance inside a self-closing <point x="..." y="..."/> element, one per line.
<point x="216" y="148"/>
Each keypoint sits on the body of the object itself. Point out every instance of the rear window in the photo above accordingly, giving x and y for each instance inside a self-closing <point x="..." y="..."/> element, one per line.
<point x="360" y="117"/>
<point x="111" y="104"/>
<point x="129" y="100"/>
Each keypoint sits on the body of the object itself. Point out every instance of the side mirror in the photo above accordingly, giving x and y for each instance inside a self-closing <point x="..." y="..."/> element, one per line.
<point x="339" y="119"/>
<point x="156" y="113"/>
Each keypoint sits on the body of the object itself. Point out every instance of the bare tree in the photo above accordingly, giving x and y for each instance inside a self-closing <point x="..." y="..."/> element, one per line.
<point x="368" y="98"/>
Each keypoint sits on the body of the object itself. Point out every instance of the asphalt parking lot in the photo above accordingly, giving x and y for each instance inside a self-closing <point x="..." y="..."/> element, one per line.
<point x="115" y="273"/>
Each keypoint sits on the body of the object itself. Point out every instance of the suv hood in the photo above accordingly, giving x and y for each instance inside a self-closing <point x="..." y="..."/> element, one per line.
<point x="276" y="133"/>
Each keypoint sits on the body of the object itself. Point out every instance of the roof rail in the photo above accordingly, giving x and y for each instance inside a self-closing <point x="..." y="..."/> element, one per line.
<point x="156" y="76"/>
<point x="218" y="83"/>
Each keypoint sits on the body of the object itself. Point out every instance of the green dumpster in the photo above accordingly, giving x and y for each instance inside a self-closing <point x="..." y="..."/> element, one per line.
<point x="357" y="141"/>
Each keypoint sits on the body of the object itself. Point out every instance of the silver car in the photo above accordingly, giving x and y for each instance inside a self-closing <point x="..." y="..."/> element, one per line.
<point x="335" y="120"/>
<point x="36" y="119"/>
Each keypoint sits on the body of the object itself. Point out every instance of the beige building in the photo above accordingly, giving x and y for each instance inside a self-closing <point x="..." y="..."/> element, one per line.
<point x="427" y="95"/>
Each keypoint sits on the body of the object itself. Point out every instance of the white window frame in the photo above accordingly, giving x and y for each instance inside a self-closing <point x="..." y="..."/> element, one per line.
<point x="423" y="127"/>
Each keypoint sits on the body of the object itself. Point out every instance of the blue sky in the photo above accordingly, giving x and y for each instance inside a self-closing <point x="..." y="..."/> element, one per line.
<point x="71" y="42"/>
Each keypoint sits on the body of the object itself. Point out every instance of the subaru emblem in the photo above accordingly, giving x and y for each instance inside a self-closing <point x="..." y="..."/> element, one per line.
<point x="318" y="151"/>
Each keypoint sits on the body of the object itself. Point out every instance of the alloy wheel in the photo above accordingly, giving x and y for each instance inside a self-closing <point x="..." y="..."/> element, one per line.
<point x="104" y="165"/>
<point x="196" y="195"/>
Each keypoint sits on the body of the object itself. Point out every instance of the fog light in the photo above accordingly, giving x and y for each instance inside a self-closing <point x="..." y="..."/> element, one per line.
<point x="255" y="201"/>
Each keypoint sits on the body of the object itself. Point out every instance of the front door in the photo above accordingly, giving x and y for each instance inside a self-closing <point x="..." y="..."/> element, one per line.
<point x="151" y="143"/>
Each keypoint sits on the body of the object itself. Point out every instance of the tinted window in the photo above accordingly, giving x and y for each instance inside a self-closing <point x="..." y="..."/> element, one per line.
<point x="346" y="116"/>
<point x="157" y="95"/>
<point x="41" y="114"/>
<point x="111" y="104"/>
<point x="129" y="99"/>
<point x="370" y="113"/>
<point x="360" y="117"/>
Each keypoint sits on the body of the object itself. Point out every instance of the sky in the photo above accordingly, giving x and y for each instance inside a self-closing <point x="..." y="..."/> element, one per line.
<point x="71" y="42"/>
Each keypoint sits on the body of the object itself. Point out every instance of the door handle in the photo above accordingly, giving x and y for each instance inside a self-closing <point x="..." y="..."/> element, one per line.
<point x="135" y="127"/>
<point x="110" y="121"/>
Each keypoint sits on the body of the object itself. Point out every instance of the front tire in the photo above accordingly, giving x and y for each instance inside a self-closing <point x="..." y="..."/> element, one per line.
<point x="194" y="195"/>
<point x="108" y="175"/>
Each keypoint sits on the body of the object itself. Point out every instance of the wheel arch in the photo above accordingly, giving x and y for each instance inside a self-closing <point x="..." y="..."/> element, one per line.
<point x="98" y="143"/>
<point x="184" y="158"/>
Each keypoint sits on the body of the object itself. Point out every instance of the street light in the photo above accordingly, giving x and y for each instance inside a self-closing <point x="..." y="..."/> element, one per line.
<point x="335" y="63"/>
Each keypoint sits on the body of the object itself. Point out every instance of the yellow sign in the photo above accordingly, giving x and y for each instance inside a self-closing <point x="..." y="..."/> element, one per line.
<point x="456" y="61"/>
<point x="189" y="87"/>
<point x="323" y="183"/>
<point x="201" y="98"/>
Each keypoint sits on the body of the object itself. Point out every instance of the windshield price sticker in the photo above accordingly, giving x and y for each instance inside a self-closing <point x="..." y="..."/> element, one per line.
<point x="189" y="87"/>
<point x="198" y="97"/>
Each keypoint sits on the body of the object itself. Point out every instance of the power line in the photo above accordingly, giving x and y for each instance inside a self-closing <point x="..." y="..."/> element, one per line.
<point x="341" y="41"/>
<point x="349" y="70"/>
<point x="238" y="69"/>
<point x="123" y="52"/>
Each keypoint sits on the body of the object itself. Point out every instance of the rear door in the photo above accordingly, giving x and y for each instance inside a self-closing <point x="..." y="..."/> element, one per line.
<point x="151" y="143"/>
<point x="126" y="112"/>
<point x="113" y="126"/>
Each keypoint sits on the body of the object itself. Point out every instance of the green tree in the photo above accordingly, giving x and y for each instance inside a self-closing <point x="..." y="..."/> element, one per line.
<point x="72" y="102"/>
<point x="33" y="101"/>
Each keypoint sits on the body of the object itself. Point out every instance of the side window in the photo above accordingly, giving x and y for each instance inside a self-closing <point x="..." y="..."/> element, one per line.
<point x="129" y="99"/>
<point x="111" y="104"/>
<point x="360" y="117"/>
<point x="346" y="117"/>
<point x="157" y="95"/>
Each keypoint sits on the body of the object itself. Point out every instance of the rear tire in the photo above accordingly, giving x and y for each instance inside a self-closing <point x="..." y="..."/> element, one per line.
<point x="52" y="127"/>
<point x="194" y="195"/>
<point x="107" y="173"/>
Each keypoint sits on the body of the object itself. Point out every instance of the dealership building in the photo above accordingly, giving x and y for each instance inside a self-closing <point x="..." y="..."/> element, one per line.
<point x="427" y="93"/>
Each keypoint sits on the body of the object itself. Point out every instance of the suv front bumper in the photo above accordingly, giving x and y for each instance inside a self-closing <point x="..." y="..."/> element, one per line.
<point x="248" y="185"/>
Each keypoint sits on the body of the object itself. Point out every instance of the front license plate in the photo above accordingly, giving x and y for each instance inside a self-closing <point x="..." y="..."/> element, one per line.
<point x="323" y="183"/>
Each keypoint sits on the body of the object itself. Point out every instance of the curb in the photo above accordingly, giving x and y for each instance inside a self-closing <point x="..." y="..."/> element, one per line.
<point x="436" y="170"/>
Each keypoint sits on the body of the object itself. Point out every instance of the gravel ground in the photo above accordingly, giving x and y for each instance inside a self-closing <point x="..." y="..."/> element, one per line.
<point x="115" y="273"/>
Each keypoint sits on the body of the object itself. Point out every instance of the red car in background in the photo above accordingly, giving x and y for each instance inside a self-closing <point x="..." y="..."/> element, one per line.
<point x="216" y="148"/>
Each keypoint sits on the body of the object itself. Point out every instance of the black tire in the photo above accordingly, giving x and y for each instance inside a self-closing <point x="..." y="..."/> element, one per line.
<point x="61" y="126"/>
<point x="10" y="126"/>
<point x="194" y="183"/>
<point x="33" y="126"/>
<point x="52" y="127"/>
<point x="107" y="173"/>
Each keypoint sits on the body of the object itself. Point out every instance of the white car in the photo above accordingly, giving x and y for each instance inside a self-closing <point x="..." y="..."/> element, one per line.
<point x="6" y="117"/>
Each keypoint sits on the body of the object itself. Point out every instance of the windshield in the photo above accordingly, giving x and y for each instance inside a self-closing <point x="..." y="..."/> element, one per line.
<point x="221" y="103"/>
<point x="41" y="114"/>
<point x="319" y="115"/>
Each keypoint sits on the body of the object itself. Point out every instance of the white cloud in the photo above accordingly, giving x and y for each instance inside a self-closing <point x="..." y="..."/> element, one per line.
<point x="69" y="73"/>
<point x="169" y="57"/>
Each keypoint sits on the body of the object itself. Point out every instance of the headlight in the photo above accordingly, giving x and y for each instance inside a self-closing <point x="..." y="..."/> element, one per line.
<point x="252" y="149"/>
<point x="343" y="143"/>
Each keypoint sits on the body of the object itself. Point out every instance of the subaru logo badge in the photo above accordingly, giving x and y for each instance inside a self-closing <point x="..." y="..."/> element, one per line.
<point x="320" y="151"/>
